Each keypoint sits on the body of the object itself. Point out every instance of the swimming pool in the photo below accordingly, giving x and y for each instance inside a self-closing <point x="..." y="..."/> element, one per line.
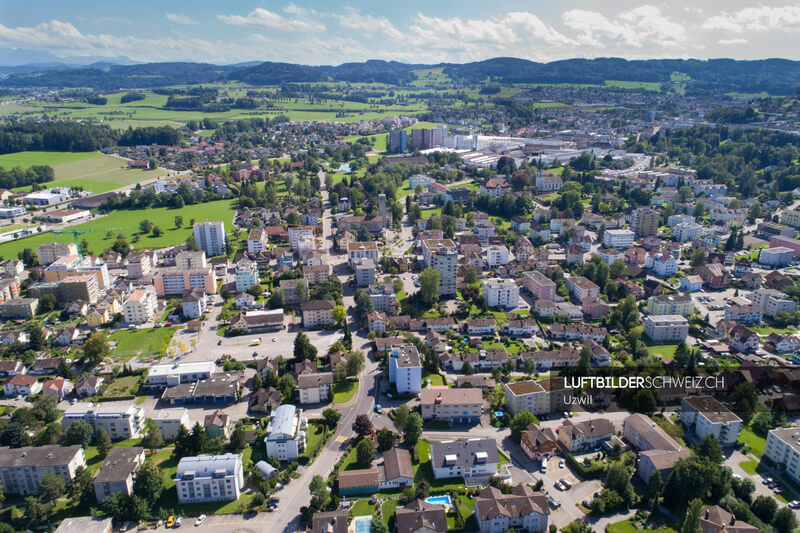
<point x="363" y="524"/>
<point x="345" y="167"/>
<point x="440" y="500"/>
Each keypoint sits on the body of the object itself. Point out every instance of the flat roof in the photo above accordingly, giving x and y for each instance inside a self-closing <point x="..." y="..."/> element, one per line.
<point x="712" y="409"/>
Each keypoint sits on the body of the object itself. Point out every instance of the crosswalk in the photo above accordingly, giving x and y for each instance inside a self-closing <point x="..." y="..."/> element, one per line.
<point x="341" y="439"/>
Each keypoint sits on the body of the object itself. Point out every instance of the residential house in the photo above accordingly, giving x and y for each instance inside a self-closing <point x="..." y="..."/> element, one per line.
<point x="209" y="478"/>
<point x="117" y="472"/>
<point x="315" y="388"/>
<point x="468" y="459"/>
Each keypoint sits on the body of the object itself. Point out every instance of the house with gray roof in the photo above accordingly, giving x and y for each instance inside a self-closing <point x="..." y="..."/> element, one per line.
<point x="116" y="472"/>
<point x="209" y="478"/>
<point x="286" y="433"/>
<point x="468" y="459"/>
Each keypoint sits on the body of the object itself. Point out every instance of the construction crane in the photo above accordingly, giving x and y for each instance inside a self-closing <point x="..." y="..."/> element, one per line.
<point x="77" y="232"/>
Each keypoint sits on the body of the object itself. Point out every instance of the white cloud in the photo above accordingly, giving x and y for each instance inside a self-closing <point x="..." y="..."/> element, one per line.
<point x="269" y="19"/>
<point x="760" y="18"/>
<point x="512" y="27"/>
<point x="638" y="27"/>
<point x="180" y="18"/>
<point x="352" y="19"/>
<point x="726" y="42"/>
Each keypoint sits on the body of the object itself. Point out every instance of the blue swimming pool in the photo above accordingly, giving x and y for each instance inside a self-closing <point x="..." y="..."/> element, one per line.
<point x="363" y="524"/>
<point x="345" y="167"/>
<point x="440" y="500"/>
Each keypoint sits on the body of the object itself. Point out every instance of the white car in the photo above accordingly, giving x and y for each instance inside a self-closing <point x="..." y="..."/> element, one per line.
<point x="200" y="519"/>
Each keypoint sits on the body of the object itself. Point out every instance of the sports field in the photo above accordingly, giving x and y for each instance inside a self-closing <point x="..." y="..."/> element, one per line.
<point x="162" y="217"/>
<point x="94" y="172"/>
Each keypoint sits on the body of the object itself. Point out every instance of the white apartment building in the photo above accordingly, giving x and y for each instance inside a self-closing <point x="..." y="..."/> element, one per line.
<point x="777" y="257"/>
<point x="297" y="232"/>
<point x="674" y="220"/>
<point x="670" y="304"/>
<point x="120" y="420"/>
<point x="772" y="302"/>
<point x="704" y="415"/>
<point x="501" y="293"/>
<point x="169" y="422"/>
<point x="666" y="328"/>
<point x="661" y="264"/>
<point x="286" y="433"/>
<point x="383" y="298"/>
<point x="791" y="217"/>
<point x="210" y="236"/>
<point x="542" y="287"/>
<point x="209" y="478"/>
<point x="140" y="306"/>
<point x="47" y="253"/>
<point x="783" y="449"/>
<point x="521" y="510"/>
<point x="364" y="272"/>
<point x="496" y="255"/>
<point x="474" y="458"/>
<point x="166" y="375"/>
<point x="580" y="288"/>
<point x="362" y="250"/>
<point x="442" y="256"/>
<point x="538" y="397"/>
<point x="246" y="275"/>
<point x="405" y="369"/>
<point x="257" y="241"/>
<point x="620" y="239"/>
<point x="463" y="405"/>
<point x="687" y="231"/>
<point x="189" y="260"/>
<point x="21" y="469"/>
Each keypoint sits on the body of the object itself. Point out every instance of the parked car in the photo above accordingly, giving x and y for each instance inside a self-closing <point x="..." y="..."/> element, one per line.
<point x="178" y="521"/>
<point x="200" y="520"/>
<point x="170" y="521"/>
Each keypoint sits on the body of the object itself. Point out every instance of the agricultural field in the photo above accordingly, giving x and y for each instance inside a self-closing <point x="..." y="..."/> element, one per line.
<point x="127" y="223"/>
<point x="29" y="159"/>
<point x="98" y="174"/>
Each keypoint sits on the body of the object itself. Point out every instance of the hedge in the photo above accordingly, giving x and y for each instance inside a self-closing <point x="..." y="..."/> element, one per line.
<point x="591" y="472"/>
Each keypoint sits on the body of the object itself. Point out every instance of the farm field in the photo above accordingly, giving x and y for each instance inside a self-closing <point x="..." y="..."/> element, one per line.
<point x="92" y="171"/>
<point x="129" y="219"/>
<point x="29" y="159"/>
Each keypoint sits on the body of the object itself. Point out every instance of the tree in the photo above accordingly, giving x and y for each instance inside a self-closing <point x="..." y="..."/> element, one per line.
<point x="81" y="487"/>
<point x="47" y="303"/>
<point x="429" y="286"/>
<point x="103" y="442"/>
<point x="362" y="425"/>
<point x="356" y="363"/>
<point x="710" y="448"/>
<point x="698" y="257"/>
<point x="365" y="452"/>
<point x="276" y="299"/>
<point x="347" y="339"/>
<point x="178" y="221"/>
<point x="413" y="429"/>
<point x="784" y="521"/>
<point x="331" y="417"/>
<point x="691" y="524"/>
<point x="46" y="408"/>
<point x="378" y="526"/>
<point x="238" y="441"/>
<point x="364" y="305"/>
<point x="35" y="337"/>
<point x="303" y="349"/>
<point x="145" y="226"/>
<point x="153" y="440"/>
<point x="182" y="442"/>
<point x="339" y="314"/>
<point x="585" y="360"/>
<point x="385" y="439"/>
<point x="157" y="231"/>
<point x="34" y="510"/>
<point x="764" y="508"/>
<point x="49" y="435"/>
<point x="52" y="486"/>
<point x="153" y="163"/>
<point x="319" y="491"/>
<point x="256" y="290"/>
<point x="95" y="348"/>
<point x="200" y="440"/>
<point x="521" y="420"/>
<point x="470" y="276"/>
<point x="287" y="385"/>
<point x="466" y="368"/>
<point x="302" y="291"/>
<point x="15" y="435"/>
<point x="745" y="399"/>
<point x="401" y="416"/>
<point x="528" y="365"/>
<point x="148" y="483"/>
<point x="653" y="489"/>
<point x="257" y="382"/>
<point x="79" y="432"/>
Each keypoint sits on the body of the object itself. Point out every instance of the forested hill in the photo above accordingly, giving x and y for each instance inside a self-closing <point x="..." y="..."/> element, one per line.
<point x="775" y="76"/>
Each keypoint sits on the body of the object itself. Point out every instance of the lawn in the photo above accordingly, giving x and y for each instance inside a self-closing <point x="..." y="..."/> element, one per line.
<point x="766" y="330"/>
<point x="343" y="391"/>
<point x="388" y="510"/>
<point x="316" y="438"/>
<point x="749" y="466"/>
<point x="127" y="222"/>
<point x="363" y="507"/>
<point x="29" y="159"/>
<point x="755" y="442"/>
<point x="123" y="386"/>
<point x="134" y="342"/>
<point x="98" y="173"/>
<point x="666" y="351"/>
<point x="626" y="526"/>
<point x="436" y="379"/>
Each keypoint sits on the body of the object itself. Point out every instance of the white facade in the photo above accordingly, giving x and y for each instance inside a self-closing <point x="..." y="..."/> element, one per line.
<point x="442" y="256"/>
<point x="779" y="256"/>
<point x="210" y="236"/>
<point x="296" y="233"/>
<point x="704" y="415"/>
<point x="209" y="478"/>
<point x="618" y="238"/>
<point x="782" y="448"/>
<point x="169" y="374"/>
<point x="497" y="255"/>
<point x="501" y="293"/>
<point x="666" y="328"/>
<point x="246" y="275"/>
<point x="123" y="421"/>
<point x="140" y="306"/>
<point x="169" y="422"/>
<point x="686" y="231"/>
<point x="405" y="369"/>
<point x="286" y="433"/>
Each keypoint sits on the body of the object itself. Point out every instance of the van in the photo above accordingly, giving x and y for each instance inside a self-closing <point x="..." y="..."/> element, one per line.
<point x="543" y="469"/>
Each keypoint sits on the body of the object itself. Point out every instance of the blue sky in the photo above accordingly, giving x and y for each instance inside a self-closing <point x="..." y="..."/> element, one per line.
<point x="317" y="32"/>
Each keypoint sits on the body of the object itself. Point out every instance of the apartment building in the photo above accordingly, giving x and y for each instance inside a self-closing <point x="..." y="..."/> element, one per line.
<point x="177" y="281"/>
<point x="364" y="272"/>
<point x="704" y="415"/>
<point x="140" y="306"/>
<point x="666" y="328"/>
<point x="210" y="236"/>
<point x="21" y="469"/>
<point x="317" y="313"/>
<point x="48" y="253"/>
<point x="645" y="221"/>
<point x="405" y="369"/>
<point x="209" y="478"/>
<point x="687" y="231"/>
<point x="791" y="217"/>
<point x="783" y="449"/>
<point x="169" y="422"/>
<point x="580" y="288"/>
<point x="776" y="257"/>
<point x="670" y="304"/>
<point x="452" y="405"/>
<point x="539" y="285"/>
<point x="298" y="232"/>
<point x="475" y="458"/>
<point x="79" y="287"/>
<point x="497" y="255"/>
<point x="139" y="265"/>
<point x="442" y="256"/>
<point x="117" y="471"/>
<point x="539" y="397"/>
<point x="191" y="260"/>
<point x="286" y="433"/>
<point x="19" y="308"/>
<point x="166" y="375"/>
<point x="772" y="302"/>
<point x="362" y="250"/>
<point x="257" y="241"/>
<point x="522" y="509"/>
<point x="620" y="239"/>
<point x="383" y="298"/>
<point x="120" y="420"/>
<point x="246" y="275"/>
<point x="315" y="387"/>
<point x="501" y="293"/>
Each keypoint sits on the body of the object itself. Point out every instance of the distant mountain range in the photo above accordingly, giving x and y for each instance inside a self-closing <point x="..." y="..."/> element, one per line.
<point x="774" y="76"/>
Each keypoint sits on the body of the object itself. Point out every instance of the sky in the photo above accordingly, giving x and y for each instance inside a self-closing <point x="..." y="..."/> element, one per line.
<point x="324" y="32"/>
